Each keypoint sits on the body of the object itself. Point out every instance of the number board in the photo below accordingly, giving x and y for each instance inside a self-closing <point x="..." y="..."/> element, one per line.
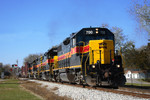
<point x="89" y="32"/>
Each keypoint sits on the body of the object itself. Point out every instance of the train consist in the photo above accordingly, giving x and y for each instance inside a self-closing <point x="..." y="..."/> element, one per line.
<point x="86" y="57"/>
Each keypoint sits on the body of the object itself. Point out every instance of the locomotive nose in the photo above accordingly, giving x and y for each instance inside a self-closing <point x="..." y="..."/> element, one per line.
<point x="101" y="50"/>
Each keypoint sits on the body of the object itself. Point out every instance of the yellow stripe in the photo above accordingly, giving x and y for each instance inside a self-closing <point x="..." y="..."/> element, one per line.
<point x="68" y="67"/>
<point x="64" y="68"/>
<point x="41" y="71"/>
<point x="47" y="70"/>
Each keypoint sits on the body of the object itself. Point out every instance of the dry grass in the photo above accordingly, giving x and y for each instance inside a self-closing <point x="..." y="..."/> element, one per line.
<point x="46" y="86"/>
<point x="55" y="88"/>
<point x="42" y="91"/>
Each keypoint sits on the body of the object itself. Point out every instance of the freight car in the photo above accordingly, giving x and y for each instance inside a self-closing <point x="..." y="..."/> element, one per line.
<point x="86" y="57"/>
<point x="24" y="71"/>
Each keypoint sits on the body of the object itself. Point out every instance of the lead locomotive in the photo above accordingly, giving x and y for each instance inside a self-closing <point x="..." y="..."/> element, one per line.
<point x="86" y="57"/>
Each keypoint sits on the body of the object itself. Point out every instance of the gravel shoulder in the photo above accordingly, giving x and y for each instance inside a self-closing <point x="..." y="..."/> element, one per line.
<point x="78" y="93"/>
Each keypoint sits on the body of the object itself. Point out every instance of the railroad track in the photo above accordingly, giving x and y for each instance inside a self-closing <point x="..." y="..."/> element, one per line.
<point x="141" y="93"/>
<point x="135" y="92"/>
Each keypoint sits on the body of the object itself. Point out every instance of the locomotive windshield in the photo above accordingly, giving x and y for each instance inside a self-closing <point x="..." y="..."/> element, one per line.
<point x="95" y="34"/>
<point x="97" y="37"/>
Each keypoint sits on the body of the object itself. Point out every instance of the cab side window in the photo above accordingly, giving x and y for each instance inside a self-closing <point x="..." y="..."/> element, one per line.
<point x="73" y="41"/>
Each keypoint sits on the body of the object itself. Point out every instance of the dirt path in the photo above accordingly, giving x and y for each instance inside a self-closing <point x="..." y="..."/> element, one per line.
<point x="42" y="91"/>
<point x="32" y="92"/>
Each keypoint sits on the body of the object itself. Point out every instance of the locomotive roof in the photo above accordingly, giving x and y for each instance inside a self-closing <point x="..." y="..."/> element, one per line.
<point x="74" y="34"/>
<point x="51" y="49"/>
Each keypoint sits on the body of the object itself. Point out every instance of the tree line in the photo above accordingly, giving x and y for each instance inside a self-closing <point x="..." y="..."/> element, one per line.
<point x="6" y="69"/>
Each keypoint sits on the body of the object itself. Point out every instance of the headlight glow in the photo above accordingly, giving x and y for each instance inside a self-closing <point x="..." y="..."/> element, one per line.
<point x="118" y="66"/>
<point x="93" y="66"/>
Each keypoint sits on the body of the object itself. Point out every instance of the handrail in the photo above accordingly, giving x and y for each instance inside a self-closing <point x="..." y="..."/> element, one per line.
<point x="82" y="53"/>
<point x="39" y="72"/>
<point x="50" y="67"/>
<point x="85" y="64"/>
<point x="122" y="57"/>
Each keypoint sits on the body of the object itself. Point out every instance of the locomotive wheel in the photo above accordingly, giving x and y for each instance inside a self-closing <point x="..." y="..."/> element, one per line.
<point x="49" y="78"/>
<point x="57" y="78"/>
<point x="91" y="81"/>
<point x="78" y="81"/>
<point x="46" y="77"/>
<point x="114" y="85"/>
<point x="121" y="80"/>
<point x="78" y="78"/>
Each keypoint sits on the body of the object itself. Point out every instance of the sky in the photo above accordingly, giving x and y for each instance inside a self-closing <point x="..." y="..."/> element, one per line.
<point x="34" y="26"/>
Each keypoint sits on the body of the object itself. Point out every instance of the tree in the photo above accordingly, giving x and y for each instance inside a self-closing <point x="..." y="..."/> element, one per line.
<point x="138" y="58"/>
<point x="6" y="67"/>
<point x="120" y="39"/>
<point x="1" y="70"/>
<point x="131" y="57"/>
<point x="148" y="52"/>
<point x="31" y="57"/>
<point x="144" y="58"/>
<point x="7" y="71"/>
<point x="127" y="46"/>
<point x="141" y="12"/>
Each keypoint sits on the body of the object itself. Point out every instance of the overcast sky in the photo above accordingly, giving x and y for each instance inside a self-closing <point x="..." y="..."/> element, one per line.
<point x="34" y="26"/>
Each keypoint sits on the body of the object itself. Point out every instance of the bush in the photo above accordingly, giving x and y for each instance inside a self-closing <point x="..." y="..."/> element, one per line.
<point x="147" y="80"/>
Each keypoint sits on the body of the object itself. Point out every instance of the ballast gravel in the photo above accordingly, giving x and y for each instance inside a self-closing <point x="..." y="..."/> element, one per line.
<point x="77" y="93"/>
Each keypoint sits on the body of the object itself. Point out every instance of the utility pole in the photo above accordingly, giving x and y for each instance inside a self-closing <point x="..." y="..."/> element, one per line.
<point x="17" y="62"/>
<point x="149" y="43"/>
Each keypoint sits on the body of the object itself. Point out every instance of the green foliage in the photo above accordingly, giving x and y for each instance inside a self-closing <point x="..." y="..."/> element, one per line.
<point x="10" y="90"/>
<point x="137" y="58"/>
<point x="1" y="70"/>
<point x="130" y="56"/>
<point x="147" y="80"/>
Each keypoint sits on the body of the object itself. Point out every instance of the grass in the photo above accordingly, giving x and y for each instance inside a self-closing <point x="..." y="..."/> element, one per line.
<point x="10" y="90"/>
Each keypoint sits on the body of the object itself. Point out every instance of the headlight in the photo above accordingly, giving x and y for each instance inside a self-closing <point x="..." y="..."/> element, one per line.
<point x="118" y="66"/>
<point x="93" y="66"/>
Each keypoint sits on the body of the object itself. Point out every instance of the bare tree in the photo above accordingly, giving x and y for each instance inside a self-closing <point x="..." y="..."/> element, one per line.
<point x="31" y="57"/>
<point x="120" y="39"/>
<point x="141" y="12"/>
<point x="105" y="25"/>
<point x="7" y="71"/>
<point x="7" y="67"/>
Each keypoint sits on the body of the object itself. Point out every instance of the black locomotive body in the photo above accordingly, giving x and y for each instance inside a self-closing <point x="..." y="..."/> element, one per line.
<point x="86" y="57"/>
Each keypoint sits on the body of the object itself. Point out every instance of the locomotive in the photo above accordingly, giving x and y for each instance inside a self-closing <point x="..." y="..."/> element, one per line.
<point x="85" y="57"/>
